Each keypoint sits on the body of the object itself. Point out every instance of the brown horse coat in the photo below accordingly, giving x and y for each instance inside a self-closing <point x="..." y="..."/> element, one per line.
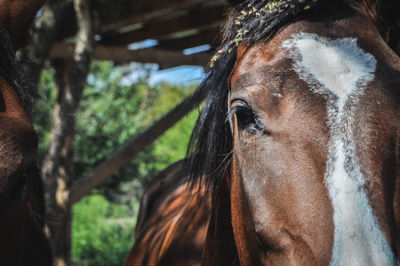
<point x="22" y="241"/>
<point x="172" y="222"/>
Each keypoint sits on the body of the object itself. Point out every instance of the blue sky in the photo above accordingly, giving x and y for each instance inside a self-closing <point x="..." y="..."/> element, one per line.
<point x="185" y="75"/>
<point x="177" y="75"/>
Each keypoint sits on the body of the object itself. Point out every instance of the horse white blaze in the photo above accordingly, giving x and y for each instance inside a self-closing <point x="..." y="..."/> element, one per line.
<point x="339" y="70"/>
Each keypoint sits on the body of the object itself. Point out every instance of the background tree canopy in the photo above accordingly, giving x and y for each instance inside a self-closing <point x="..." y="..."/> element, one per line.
<point x="113" y="109"/>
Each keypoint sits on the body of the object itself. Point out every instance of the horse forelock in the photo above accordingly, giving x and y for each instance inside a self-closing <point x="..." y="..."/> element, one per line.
<point x="11" y="70"/>
<point x="209" y="154"/>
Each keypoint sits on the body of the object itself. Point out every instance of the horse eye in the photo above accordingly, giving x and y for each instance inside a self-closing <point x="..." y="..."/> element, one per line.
<point x="246" y="119"/>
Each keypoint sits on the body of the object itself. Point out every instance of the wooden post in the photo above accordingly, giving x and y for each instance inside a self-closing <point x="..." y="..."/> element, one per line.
<point x="58" y="166"/>
<point x="44" y="32"/>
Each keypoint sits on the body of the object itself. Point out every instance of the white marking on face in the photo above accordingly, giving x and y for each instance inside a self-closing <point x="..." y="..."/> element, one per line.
<point x="278" y="95"/>
<point x="339" y="70"/>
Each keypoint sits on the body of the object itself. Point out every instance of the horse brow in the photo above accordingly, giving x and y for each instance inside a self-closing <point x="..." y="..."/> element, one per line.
<point x="257" y="76"/>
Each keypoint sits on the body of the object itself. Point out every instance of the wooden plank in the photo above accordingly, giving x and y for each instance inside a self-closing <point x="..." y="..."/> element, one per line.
<point x="197" y="19"/>
<point x="145" y="10"/>
<point x="133" y="147"/>
<point x="207" y="36"/>
<point x="235" y="2"/>
<point x="122" y="55"/>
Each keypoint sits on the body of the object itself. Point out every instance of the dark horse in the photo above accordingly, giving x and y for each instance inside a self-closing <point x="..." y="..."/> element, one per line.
<point x="22" y="241"/>
<point x="299" y="140"/>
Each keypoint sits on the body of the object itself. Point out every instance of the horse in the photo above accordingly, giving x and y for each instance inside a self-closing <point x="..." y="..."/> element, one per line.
<point x="172" y="223"/>
<point x="299" y="139"/>
<point x="22" y="240"/>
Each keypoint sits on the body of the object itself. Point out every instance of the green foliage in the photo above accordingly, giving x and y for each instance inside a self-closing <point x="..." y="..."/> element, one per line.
<point x="112" y="111"/>
<point x="171" y="147"/>
<point x="44" y="110"/>
<point x="102" y="232"/>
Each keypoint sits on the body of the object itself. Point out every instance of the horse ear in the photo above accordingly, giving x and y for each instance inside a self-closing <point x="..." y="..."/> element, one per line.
<point x="16" y="15"/>
<point x="390" y="12"/>
<point x="384" y="13"/>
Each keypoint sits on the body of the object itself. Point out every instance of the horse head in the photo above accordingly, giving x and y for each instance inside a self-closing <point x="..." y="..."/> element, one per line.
<point x="304" y="117"/>
<point x="21" y="192"/>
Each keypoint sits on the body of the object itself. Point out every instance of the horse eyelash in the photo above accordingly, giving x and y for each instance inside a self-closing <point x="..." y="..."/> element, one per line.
<point x="230" y="114"/>
<point x="232" y="111"/>
<point x="257" y="120"/>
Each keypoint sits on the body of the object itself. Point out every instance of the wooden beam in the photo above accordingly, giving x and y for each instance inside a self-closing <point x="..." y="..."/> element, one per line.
<point x="204" y="37"/>
<point x="197" y="19"/>
<point x="234" y="2"/>
<point x="145" y="10"/>
<point x="136" y="12"/>
<point x="133" y="147"/>
<point x="122" y="55"/>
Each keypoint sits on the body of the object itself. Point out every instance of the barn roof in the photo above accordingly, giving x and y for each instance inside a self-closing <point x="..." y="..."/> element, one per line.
<point x="152" y="31"/>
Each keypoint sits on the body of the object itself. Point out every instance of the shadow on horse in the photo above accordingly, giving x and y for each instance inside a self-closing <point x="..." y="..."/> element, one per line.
<point x="298" y="143"/>
<point x="22" y="241"/>
<point x="172" y="223"/>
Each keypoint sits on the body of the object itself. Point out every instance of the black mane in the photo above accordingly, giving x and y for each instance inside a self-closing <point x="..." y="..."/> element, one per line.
<point x="11" y="70"/>
<point x="210" y="147"/>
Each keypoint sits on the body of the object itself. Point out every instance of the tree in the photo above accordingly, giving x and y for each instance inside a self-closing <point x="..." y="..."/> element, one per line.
<point x="57" y="169"/>
<point x="111" y="111"/>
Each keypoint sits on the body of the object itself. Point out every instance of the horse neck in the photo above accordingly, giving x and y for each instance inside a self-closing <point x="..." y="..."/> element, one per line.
<point x="12" y="105"/>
